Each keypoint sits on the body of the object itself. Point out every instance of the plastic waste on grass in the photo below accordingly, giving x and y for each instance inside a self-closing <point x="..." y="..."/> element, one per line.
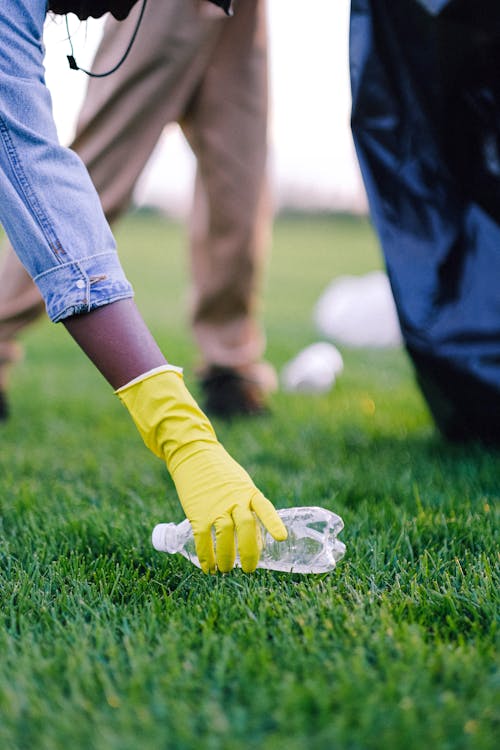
<point x="313" y="370"/>
<point x="312" y="545"/>
<point x="359" y="311"/>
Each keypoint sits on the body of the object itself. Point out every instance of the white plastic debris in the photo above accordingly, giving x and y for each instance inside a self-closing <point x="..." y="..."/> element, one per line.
<point x="359" y="311"/>
<point x="313" y="370"/>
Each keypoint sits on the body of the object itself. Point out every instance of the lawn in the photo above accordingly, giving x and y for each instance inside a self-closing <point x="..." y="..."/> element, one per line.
<point x="106" y="644"/>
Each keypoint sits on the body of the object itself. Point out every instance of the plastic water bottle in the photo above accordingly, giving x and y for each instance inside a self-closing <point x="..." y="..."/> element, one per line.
<point x="311" y="547"/>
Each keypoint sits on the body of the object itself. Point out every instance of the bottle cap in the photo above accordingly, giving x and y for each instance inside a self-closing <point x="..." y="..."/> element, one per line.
<point x="158" y="537"/>
<point x="164" y="537"/>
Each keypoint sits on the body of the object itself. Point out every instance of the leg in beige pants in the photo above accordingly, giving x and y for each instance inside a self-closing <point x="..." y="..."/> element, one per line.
<point x="20" y="303"/>
<point x="192" y="65"/>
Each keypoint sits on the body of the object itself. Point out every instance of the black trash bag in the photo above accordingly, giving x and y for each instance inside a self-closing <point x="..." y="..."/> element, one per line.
<point x="425" y="77"/>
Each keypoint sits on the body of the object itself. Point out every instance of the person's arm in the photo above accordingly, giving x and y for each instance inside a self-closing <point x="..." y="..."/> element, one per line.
<point x="53" y="217"/>
<point x="117" y="340"/>
<point x="214" y="491"/>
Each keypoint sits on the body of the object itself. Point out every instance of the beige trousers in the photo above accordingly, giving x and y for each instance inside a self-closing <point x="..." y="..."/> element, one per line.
<point x="191" y="65"/>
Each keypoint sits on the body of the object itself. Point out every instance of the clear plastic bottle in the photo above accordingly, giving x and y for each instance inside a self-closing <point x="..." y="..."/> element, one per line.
<point x="312" y="545"/>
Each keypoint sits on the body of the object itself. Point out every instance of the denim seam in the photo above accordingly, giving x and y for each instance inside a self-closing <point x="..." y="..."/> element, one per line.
<point x="74" y="262"/>
<point x="67" y="311"/>
<point x="29" y="194"/>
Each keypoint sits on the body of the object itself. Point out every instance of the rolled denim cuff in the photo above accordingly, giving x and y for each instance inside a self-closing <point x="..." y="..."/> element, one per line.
<point x="80" y="286"/>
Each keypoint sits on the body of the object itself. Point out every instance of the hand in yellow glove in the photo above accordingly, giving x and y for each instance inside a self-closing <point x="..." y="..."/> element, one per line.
<point x="213" y="489"/>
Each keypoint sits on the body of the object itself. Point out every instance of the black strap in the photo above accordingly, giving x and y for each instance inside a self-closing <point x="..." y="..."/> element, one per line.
<point x="74" y="65"/>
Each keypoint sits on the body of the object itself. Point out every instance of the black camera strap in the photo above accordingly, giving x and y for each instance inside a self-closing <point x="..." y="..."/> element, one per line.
<point x="74" y="65"/>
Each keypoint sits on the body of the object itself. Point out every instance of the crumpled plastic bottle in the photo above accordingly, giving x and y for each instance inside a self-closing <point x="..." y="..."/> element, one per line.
<point x="311" y="547"/>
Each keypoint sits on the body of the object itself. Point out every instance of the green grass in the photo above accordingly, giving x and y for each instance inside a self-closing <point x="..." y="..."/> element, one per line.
<point x="106" y="644"/>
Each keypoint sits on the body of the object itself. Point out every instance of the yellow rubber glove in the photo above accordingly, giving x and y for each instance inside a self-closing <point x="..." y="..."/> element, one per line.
<point x="213" y="489"/>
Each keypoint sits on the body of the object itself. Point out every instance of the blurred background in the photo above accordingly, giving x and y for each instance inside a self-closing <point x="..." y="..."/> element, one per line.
<point x="312" y="159"/>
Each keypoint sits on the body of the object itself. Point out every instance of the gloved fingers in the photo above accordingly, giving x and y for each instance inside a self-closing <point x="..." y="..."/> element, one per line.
<point x="205" y="551"/>
<point x="225" y="549"/>
<point x="266" y="512"/>
<point x="248" y="538"/>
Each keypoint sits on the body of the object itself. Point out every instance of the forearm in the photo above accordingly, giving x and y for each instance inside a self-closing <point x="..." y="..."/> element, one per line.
<point x="213" y="489"/>
<point x="117" y="340"/>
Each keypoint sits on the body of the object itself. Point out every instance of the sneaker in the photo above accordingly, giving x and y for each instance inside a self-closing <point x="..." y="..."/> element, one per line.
<point x="10" y="352"/>
<point x="4" y="407"/>
<point x="228" y="393"/>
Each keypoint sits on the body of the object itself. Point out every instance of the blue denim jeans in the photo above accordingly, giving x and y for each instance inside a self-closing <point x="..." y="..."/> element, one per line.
<point x="48" y="205"/>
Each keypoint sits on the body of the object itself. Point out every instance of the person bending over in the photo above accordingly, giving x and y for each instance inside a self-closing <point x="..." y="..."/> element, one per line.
<point x="53" y="217"/>
<point x="192" y="65"/>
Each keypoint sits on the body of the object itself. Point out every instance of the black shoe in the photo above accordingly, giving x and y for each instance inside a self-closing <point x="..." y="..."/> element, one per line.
<point x="228" y="394"/>
<point x="4" y="407"/>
